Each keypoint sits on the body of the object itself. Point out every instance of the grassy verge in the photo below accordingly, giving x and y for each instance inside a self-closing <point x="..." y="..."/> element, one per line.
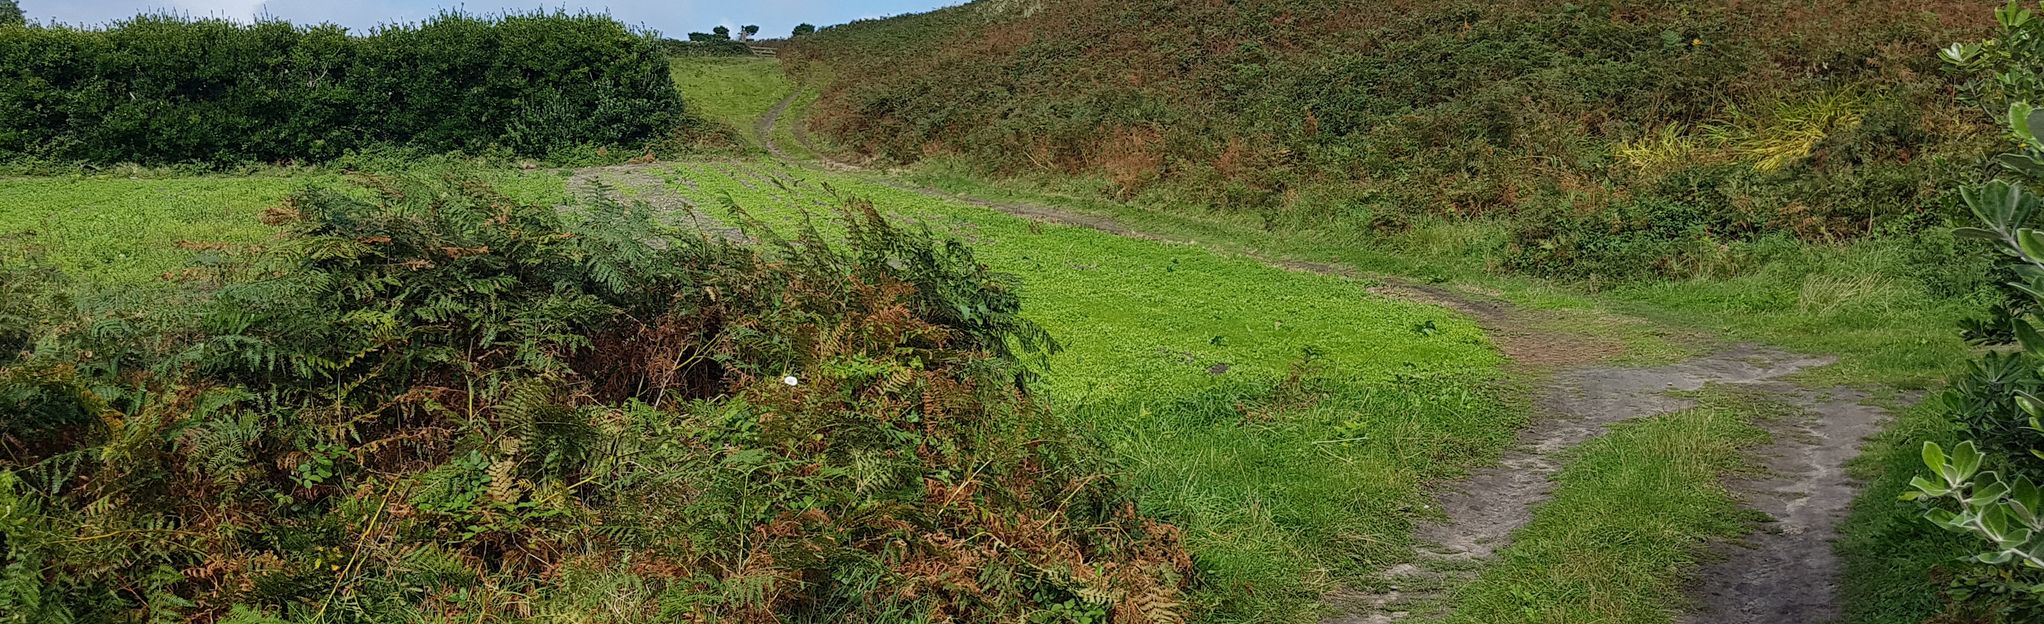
<point x="731" y="91"/>
<point x="1630" y="515"/>
<point x="116" y="237"/>
<point x="1873" y="302"/>
<point x="1892" y="554"/>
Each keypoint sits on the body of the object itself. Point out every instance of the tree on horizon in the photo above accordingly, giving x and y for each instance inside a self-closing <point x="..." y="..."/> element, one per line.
<point x="11" y="14"/>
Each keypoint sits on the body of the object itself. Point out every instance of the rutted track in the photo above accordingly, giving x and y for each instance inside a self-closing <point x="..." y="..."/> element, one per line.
<point x="1786" y="572"/>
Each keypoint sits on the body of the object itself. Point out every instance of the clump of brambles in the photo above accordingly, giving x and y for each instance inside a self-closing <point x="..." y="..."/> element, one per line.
<point x="430" y="402"/>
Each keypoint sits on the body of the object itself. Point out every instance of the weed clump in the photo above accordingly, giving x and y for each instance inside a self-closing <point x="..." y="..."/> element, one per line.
<point x="429" y="401"/>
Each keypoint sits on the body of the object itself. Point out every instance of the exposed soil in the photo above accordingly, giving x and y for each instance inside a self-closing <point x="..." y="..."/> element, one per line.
<point x="1788" y="571"/>
<point x="640" y="182"/>
<point x="764" y="128"/>
<point x="1784" y="573"/>
<point x="1578" y="405"/>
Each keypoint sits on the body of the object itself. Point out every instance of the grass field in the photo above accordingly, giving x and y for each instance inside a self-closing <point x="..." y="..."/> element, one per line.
<point x="117" y="237"/>
<point x="1868" y="302"/>
<point x="732" y="91"/>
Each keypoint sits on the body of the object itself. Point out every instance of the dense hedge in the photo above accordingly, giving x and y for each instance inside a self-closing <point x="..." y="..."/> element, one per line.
<point x="707" y="47"/>
<point x="158" y="89"/>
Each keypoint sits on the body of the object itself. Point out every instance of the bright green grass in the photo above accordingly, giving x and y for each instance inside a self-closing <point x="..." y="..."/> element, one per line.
<point x="1631" y="513"/>
<point x="1179" y="357"/>
<point x="732" y="92"/>
<point x="1857" y="300"/>
<point x="117" y="237"/>
<point x="784" y="132"/>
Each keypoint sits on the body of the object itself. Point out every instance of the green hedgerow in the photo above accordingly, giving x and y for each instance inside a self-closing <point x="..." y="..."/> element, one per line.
<point x="161" y="89"/>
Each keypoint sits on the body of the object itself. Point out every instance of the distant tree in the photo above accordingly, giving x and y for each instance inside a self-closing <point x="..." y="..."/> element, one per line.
<point x="805" y="29"/>
<point x="701" y="36"/>
<point x="749" y="31"/>
<point x="11" y="15"/>
<point x="721" y="32"/>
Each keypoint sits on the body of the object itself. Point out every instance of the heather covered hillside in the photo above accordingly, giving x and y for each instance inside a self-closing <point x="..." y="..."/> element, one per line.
<point x="1623" y="139"/>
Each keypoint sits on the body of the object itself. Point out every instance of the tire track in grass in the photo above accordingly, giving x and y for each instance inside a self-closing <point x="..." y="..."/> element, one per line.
<point x="1785" y="573"/>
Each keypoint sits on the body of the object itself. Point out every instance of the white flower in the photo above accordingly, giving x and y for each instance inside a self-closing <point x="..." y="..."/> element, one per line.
<point x="791" y="380"/>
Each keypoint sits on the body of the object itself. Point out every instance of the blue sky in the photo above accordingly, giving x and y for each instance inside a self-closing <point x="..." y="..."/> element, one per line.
<point x="673" y="17"/>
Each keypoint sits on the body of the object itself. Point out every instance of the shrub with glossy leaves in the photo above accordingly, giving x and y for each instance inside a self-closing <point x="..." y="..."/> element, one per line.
<point x="1994" y="495"/>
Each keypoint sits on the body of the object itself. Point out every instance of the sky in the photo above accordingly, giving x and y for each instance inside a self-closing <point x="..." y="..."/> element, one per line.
<point x="675" y="18"/>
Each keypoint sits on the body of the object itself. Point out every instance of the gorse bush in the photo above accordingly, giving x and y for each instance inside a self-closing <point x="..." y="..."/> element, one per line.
<point x="430" y="402"/>
<point x="1657" y="123"/>
<point x="159" y="89"/>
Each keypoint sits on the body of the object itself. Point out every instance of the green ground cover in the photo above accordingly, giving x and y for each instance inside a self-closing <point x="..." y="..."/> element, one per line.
<point x="118" y="237"/>
<point x="1228" y="387"/>
<point x="1887" y="306"/>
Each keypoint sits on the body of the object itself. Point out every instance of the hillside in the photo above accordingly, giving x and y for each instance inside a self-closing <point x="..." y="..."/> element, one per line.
<point x="1622" y="139"/>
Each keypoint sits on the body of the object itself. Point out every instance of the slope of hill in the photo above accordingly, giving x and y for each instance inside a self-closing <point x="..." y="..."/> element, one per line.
<point x="1621" y="139"/>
